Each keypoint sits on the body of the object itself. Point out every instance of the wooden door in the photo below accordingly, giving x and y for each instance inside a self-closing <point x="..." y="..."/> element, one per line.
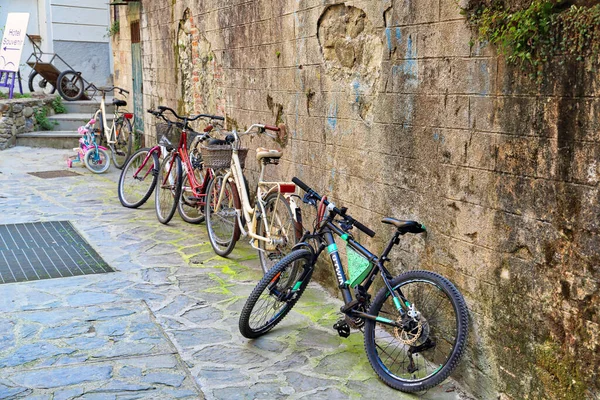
<point x="138" y="84"/>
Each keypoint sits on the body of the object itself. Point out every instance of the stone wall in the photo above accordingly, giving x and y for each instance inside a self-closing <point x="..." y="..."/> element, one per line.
<point x="17" y="116"/>
<point x="392" y="110"/>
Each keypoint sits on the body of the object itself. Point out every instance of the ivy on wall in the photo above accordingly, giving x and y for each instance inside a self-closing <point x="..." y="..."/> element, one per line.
<point x="531" y="35"/>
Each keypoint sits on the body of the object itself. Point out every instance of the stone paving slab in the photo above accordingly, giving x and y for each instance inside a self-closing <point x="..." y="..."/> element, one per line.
<point x="165" y="325"/>
<point x="155" y="376"/>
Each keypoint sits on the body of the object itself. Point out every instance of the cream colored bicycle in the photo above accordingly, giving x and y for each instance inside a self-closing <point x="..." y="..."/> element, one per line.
<point x="269" y="222"/>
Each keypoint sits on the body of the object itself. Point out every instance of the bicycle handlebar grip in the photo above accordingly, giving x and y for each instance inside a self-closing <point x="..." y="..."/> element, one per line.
<point x="217" y="117"/>
<point x="272" y="128"/>
<point x="363" y="228"/>
<point x="302" y="185"/>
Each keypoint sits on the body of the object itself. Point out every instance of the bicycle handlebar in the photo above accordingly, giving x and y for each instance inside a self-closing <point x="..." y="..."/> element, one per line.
<point x="105" y="89"/>
<point x="162" y="109"/>
<point x="330" y="206"/>
<point x="261" y="130"/>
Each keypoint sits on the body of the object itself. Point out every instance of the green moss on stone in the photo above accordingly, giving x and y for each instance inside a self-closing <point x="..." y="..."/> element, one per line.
<point x="559" y="373"/>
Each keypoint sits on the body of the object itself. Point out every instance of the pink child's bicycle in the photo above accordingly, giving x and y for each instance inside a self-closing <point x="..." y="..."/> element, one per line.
<point x="94" y="157"/>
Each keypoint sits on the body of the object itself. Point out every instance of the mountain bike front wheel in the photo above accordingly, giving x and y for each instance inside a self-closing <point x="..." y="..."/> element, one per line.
<point x="222" y="200"/>
<point x="97" y="160"/>
<point x="168" y="189"/>
<point x="121" y="149"/>
<point x="276" y="294"/>
<point x="138" y="179"/>
<point x="427" y="349"/>
<point x="281" y="228"/>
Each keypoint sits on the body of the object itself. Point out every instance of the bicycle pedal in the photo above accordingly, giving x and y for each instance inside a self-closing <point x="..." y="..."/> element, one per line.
<point x="342" y="327"/>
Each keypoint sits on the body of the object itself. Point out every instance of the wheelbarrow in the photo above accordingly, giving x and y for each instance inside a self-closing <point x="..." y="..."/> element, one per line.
<point x="47" y="77"/>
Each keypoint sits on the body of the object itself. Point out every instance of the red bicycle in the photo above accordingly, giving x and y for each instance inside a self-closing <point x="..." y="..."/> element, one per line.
<point x="143" y="170"/>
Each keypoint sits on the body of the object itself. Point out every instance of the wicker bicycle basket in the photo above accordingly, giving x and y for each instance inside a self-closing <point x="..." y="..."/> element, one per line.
<point x="216" y="157"/>
<point x="168" y="135"/>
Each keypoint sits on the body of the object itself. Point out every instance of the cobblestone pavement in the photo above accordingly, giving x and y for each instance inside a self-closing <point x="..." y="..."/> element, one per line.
<point x="165" y="324"/>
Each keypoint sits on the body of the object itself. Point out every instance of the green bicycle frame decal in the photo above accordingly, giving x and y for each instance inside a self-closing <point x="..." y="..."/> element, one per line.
<point x="332" y="248"/>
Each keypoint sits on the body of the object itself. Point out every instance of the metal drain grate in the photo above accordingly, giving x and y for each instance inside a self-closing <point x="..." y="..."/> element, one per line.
<point x="61" y="173"/>
<point x="44" y="250"/>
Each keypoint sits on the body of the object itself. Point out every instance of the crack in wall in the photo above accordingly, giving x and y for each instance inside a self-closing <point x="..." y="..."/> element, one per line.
<point x="353" y="53"/>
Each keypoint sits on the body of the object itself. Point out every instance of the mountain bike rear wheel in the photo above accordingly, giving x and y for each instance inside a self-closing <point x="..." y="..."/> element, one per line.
<point x="168" y="189"/>
<point x="276" y="294"/>
<point x="136" y="190"/>
<point x="281" y="228"/>
<point x="121" y="149"/>
<point x="423" y="353"/>
<point x="221" y="220"/>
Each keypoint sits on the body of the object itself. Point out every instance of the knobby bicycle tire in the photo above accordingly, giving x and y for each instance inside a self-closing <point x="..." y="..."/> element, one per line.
<point x="121" y="149"/>
<point x="133" y="192"/>
<point x="278" y="228"/>
<point x="434" y="343"/>
<point x="222" y="225"/>
<point x="167" y="195"/>
<point x="264" y="298"/>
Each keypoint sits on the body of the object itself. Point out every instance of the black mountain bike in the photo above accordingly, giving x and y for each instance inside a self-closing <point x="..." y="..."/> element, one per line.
<point x="415" y="328"/>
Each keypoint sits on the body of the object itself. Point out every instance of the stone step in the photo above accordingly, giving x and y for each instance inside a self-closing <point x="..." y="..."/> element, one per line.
<point x="72" y="121"/>
<point x="88" y="106"/>
<point x="52" y="139"/>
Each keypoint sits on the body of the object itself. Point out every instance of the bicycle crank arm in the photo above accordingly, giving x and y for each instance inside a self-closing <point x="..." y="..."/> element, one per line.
<point x="254" y="245"/>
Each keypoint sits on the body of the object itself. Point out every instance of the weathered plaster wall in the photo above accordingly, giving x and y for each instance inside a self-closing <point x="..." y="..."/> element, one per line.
<point x="392" y="113"/>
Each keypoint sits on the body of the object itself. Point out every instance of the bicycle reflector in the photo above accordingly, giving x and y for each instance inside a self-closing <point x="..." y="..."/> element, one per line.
<point x="358" y="267"/>
<point x="287" y="188"/>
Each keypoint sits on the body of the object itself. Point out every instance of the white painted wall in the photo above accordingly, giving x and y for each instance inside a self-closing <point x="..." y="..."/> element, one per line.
<point x="79" y="31"/>
<point x="74" y="29"/>
<point x="80" y="20"/>
<point x="33" y="28"/>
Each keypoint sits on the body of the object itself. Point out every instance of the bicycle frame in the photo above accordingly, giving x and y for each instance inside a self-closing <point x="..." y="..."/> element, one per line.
<point x="198" y="188"/>
<point x="143" y="164"/>
<point x="250" y="216"/>
<point x="108" y="132"/>
<point x="326" y="241"/>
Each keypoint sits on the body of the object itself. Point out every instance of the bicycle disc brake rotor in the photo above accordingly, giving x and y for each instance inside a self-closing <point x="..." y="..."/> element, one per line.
<point x="414" y="335"/>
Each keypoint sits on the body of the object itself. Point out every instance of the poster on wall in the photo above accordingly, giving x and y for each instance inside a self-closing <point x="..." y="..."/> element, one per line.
<point x="13" y="41"/>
